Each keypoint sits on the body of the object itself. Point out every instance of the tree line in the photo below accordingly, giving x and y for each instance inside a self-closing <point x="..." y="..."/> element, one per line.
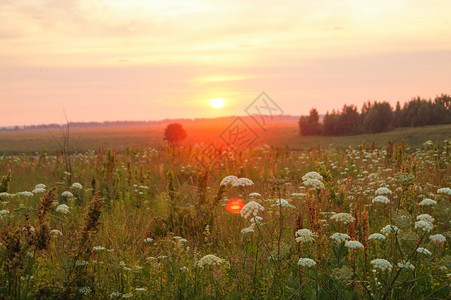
<point x="378" y="117"/>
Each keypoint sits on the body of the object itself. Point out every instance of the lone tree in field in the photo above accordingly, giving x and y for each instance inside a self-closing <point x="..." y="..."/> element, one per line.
<point x="174" y="133"/>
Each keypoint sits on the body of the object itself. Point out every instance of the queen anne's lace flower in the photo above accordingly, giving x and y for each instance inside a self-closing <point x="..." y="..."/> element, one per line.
<point x="343" y="217"/>
<point x="55" y="233"/>
<point x="383" y="191"/>
<point x="229" y="180"/>
<point x="62" y="208"/>
<point x="406" y="265"/>
<point x="251" y="208"/>
<point x="306" y="262"/>
<point x="438" y="239"/>
<point x="314" y="184"/>
<point x="38" y="190"/>
<point x="377" y="236"/>
<point x="354" y="245"/>
<point x="210" y="260"/>
<point x="427" y="202"/>
<point x="423" y="225"/>
<point x="382" y="264"/>
<point x="26" y="194"/>
<point x="444" y="191"/>
<point x="340" y="237"/>
<point x="98" y="248"/>
<point x="424" y="251"/>
<point x="381" y="199"/>
<point x="243" y="182"/>
<point x="425" y="217"/>
<point x="282" y="203"/>
<point x="40" y="186"/>
<point x="312" y="175"/>
<point x="389" y="229"/>
<point x="249" y="229"/>
<point x="67" y="194"/>
<point x="304" y="235"/>
<point x="77" y="185"/>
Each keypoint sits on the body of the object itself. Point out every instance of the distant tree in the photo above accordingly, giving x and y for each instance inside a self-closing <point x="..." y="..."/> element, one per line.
<point x="330" y="123"/>
<point x="379" y="118"/>
<point x="174" y="133"/>
<point x="309" y="125"/>
<point x="350" y="122"/>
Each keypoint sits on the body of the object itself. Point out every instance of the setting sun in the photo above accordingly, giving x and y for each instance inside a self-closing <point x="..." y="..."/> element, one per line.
<point x="217" y="102"/>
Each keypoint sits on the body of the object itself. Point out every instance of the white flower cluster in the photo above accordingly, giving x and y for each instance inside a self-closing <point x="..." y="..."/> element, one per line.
<point x="382" y="264"/>
<point x="389" y="229"/>
<point x="314" y="184"/>
<point x="306" y="262"/>
<point x="304" y="235"/>
<point x="282" y="203"/>
<point x="343" y="217"/>
<point x="39" y="188"/>
<point x="423" y="225"/>
<point x="26" y="194"/>
<point x="62" y="208"/>
<point x="67" y="194"/>
<point x="354" y="245"/>
<point x="55" y="233"/>
<point x="243" y="182"/>
<point x="339" y="237"/>
<point x="77" y="186"/>
<point x="255" y="195"/>
<point x="383" y="191"/>
<point x="312" y="175"/>
<point x="424" y="251"/>
<point x="210" y="260"/>
<point x="438" y="239"/>
<point x="444" y="191"/>
<point x="98" y="248"/>
<point x="249" y="229"/>
<point x="406" y="265"/>
<point x="426" y="218"/>
<point x="427" y="202"/>
<point x="251" y="208"/>
<point x="381" y="199"/>
<point x="377" y="236"/>
<point x="228" y="180"/>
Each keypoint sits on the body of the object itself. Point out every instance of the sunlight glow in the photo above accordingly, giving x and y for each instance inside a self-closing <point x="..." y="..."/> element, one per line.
<point x="217" y="102"/>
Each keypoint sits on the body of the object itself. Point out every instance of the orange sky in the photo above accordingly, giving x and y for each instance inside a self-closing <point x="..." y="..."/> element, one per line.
<point x="148" y="60"/>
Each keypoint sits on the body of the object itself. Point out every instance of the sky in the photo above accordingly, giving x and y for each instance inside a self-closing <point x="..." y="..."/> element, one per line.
<point x="104" y="60"/>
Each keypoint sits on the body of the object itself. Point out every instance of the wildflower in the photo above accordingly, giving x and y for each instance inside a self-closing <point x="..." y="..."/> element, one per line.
<point x="444" y="191"/>
<point x="282" y="203"/>
<point x="26" y="194"/>
<point x="306" y="262"/>
<point x="314" y="184"/>
<point x="406" y="265"/>
<point x="354" y="245"/>
<point x="81" y="263"/>
<point x="340" y="237"/>
<point x="98" y="248"/>
<point x="423" y="225"/>
<point x="312" y="175"/>
<point x="377" y="236"/>
<point x="67" y="194"/>
<point x="425" y="217"/>
<point x="389" y="229"/>
<point x="126" y="296"/>
<point x="210" y="260"/>
<point x="256" y="220"/>
<point x="383" y="191"/>
<point x="427" y="202"/>
<point x="140" y="289"/>
<point x="77" y="186"/>
<point x="62" y="208"/>
<point x="382" y="264"/>
<point x="55" y="233"/>
<point x="40" y="186"/>
<point x="249" y="229"/>
<point x="438" y="239"/>
<point x="424" y="251"/>
<point x="255" y="195"/>
<point x="304" y="235"/>
<point x="251" y="208"/>
<point x="85" y="290"/>
<point x="381" y="199"/>
<point x="343" y="217"/>
<point x="148" y="240"/>
<point x="4" y="212"/>
<point x="228" y="180"/>
<point x="38" y="191"/>
<point x="243" y="182"/>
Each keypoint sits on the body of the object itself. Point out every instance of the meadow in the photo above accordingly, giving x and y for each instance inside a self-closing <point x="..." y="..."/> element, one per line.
<point x="352" y="220"/>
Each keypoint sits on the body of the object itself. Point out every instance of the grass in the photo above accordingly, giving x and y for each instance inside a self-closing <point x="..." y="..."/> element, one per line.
<point x="278" y="133"/>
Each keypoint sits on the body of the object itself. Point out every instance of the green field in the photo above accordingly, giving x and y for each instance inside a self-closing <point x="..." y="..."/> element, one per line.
<point x="281" y="133"/>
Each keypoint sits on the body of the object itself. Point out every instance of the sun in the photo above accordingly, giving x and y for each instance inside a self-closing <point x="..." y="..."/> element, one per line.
<point x="217" y="102"/>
